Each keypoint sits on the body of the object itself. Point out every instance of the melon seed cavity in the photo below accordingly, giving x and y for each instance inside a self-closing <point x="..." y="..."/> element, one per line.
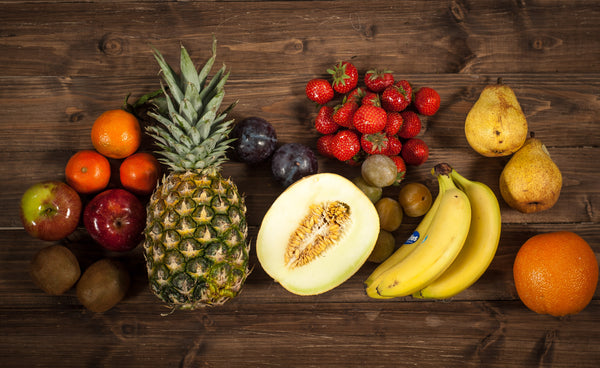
<point x="321" y="229"/>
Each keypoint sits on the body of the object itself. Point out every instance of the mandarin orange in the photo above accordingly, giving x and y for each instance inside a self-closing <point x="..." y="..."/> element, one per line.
<point x="87" y="172"/>
<point x="116" y="134"/>
<point x="556" y="273"/>
<point x="139" y="173"/>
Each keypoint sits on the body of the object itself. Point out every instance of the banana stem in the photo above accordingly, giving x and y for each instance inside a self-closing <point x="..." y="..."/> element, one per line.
<point x="442" y="169"/>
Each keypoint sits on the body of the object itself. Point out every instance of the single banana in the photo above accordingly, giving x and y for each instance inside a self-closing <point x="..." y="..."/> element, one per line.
<point x="440" y="246"/>
<point x="405" y="249"/>
<point x="479" y="248"/>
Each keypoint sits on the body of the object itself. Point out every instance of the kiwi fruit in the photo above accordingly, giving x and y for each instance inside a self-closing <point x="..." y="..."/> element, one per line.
<point x="103" y="285"/>
<point x="54" y="269"/>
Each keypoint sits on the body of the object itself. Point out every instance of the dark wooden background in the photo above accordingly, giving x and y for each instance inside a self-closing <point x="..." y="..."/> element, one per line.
<point x="63" y="63"/>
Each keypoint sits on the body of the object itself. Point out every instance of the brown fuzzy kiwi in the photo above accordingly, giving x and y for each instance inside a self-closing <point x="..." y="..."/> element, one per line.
<point x="54" y="269"/>
<point x="103" y="285"/>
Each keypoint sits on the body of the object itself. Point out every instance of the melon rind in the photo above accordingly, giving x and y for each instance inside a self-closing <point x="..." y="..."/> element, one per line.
<point x="338" y="263"/>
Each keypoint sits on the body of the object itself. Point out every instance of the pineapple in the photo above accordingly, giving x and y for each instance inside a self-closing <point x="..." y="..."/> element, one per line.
<point x="195" y="238"/>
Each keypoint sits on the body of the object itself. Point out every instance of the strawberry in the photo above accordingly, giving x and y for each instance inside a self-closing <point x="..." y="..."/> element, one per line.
<point x="397" y="96"/>
<point x="325" y="145"/>
<point x="345" y="76"/>
<point x="319" y="91"/>
<point x="411" y="125"/>
<point x="415" y="152"/>
<point x="369" y="119"/>
<point x="394" y="146"/>
<point x="356" y="94"/>
<point x="408" y="90"/>
<point x="401" y="167"/>
<point x="344" y="113"/>
<point x="378" y="80"/>
<point x="345" y="145"/>
<point x="374" y="143"/>
<point x="427" y="101"/>
<point x="393" y="123"/>
<point x="324" y="121"/>
<point x="355" y="161"/>
<point x="371" y="98"/>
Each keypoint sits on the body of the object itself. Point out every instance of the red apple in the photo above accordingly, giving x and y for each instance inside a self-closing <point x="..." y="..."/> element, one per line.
<point x="50" y="210"/>
<point x="115" y="219"/>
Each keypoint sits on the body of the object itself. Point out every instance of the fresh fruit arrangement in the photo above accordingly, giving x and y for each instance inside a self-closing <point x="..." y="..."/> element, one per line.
<point x="380" y="118"/>
<point x="112" y="215"/>
<point x="323" y="227"/>
<point x="555" y="273"/>
<point x="451" y="247"/>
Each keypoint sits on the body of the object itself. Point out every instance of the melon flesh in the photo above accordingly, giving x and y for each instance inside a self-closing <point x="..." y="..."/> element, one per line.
<point x="340" y="260"/>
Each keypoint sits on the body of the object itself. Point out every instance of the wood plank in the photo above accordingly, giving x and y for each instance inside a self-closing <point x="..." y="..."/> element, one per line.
<point x="493" y="334"/>
<point x="55" y="113"/>
<point x="272" y="38"/>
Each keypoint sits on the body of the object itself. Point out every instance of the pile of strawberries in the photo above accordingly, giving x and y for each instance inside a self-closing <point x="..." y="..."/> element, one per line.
<point x="380" y="118"/>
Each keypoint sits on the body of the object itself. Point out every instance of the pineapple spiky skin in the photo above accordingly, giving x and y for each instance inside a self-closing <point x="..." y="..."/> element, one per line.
<point x="195" y="246"/>
<point x="196" y="250"/>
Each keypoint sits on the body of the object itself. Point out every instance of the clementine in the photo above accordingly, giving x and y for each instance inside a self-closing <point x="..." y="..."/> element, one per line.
<point x="87" y="172"/>
<point x="139" y="173"/>
<point x="556" y="273"/>
<point x="116" y="134"/>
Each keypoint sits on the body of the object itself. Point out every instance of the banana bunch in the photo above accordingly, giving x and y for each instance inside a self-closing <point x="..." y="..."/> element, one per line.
<point x="450" y="249"/>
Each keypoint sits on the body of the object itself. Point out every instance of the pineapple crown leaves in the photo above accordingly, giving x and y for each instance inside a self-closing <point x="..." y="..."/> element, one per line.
<point x="192" y="133"/>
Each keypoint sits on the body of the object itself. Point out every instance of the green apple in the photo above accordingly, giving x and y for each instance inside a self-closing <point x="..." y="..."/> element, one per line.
<point x="50" y="210"/>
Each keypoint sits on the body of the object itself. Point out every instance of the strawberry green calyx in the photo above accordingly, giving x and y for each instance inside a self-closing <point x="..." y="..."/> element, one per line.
<point x="345" y="76"/>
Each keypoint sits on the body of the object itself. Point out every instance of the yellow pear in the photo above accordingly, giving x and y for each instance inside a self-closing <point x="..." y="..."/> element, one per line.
<point x="531" y="181"/>
<point x="495" y="125"/>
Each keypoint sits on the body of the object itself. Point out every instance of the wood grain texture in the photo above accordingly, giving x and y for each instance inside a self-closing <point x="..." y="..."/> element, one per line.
<point x="65" y="62"/>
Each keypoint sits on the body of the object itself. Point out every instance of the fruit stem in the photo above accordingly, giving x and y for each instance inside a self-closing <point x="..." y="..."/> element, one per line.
<point x="442" y="169"/>
<point x="499" y="81"/>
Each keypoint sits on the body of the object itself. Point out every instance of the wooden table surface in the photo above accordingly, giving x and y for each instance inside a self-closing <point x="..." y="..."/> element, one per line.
<point x="65" y="62"/>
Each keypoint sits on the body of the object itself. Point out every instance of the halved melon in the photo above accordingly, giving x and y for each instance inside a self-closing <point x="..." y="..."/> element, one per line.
<point x="317" y="234"/>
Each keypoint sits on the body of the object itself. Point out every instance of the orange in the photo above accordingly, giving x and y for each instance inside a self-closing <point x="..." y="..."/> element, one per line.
<point x="87" y="171"/>
<point x="556" y="273"/>
<point x="116" y="134"/>
<point x="139" y="173"/>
